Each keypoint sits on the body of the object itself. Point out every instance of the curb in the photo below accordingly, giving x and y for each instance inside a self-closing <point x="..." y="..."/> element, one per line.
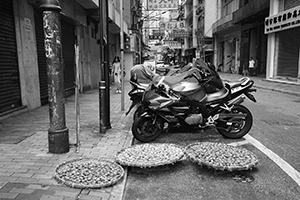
<point x="122" y="187"/>
<point x="278" y="90"/>
<point x="273" y="89"/>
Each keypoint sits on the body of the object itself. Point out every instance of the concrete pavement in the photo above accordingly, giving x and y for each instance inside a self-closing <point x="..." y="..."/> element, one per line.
<point x="26" y="167"/>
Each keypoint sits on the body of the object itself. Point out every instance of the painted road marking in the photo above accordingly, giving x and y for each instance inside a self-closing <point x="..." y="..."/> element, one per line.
<point x="240" y="143"/>
<point x="286" y="167"/>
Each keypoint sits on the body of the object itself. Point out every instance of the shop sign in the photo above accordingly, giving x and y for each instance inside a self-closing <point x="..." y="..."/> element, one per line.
<point x="173" y="44"/>
<point x="284" y="20"/>
<point x="162" y="4"/>
<point x="180" y="33"/>
<point x="158" y="32"/>
<point x="156" y="37"/>
<point x="171" y="25"/>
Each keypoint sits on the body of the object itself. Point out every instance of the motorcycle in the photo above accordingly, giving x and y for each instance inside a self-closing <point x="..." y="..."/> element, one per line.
<point x="138" y="89"/>
<point x="183" y="100"/>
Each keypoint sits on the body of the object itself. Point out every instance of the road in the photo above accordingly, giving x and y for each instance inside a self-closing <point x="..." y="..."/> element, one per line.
<point x="274" y="138"/>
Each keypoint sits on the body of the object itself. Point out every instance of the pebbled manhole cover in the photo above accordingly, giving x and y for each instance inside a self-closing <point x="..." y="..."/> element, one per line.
<point x="150" y="155"/>
<point x="221" y="156"/>
<point x="243" y="178"/>
<point x="88" y="173"/>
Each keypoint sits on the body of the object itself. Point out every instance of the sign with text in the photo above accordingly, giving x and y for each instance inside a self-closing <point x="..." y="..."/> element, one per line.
<point x="162" y="4"/>
<point x="180" y="33"/>
<point x="173" y="44"/>
<point x="156" y="37"/>
<point x="171" y="25"/>
<point x="283" y="20"/>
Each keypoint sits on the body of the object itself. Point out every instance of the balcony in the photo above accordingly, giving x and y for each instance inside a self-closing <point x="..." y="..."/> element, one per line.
<point x="223" y="24"/>
<point x="251" y="11"/>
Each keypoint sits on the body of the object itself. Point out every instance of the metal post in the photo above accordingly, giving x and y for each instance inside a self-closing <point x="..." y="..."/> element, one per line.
<point x="101" y="85"/>
<point x="106" y="72"/>
<point x="122" y="52"/>
<point x="77" y="106"/>
<point x="58" y="134"/>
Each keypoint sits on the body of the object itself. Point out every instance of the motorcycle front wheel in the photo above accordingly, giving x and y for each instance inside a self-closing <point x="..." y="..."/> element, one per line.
<point x="146" y="129"/>
<point x="240" y="127"/>
<point x="139" y="110"/>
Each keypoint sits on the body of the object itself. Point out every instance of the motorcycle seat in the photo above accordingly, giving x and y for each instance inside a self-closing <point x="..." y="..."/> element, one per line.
<point x="224" y="92"/>
<point x="234" y="84"/>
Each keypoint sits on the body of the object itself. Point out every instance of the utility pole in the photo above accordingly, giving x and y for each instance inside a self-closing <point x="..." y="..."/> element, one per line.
<point x="58" y="133"/>
<point x="101" y="82"/>
<point x="106" y="69"/>
<point x="122" y="52"/>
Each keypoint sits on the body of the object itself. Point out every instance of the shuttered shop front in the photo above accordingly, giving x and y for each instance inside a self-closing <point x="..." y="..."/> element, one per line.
<point x="288" y="53"/>
<point x="10" y="93"/>
<point x="39" y="32"/>
<point x="68" y="41"/>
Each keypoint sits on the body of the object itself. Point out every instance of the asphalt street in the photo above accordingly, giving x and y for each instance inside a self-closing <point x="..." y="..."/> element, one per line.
<point x="273" y="138"/>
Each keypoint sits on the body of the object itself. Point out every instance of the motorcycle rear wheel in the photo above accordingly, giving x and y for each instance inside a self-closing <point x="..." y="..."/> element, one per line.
<point x="146" y="129"/>
<point x="238" y="128"/>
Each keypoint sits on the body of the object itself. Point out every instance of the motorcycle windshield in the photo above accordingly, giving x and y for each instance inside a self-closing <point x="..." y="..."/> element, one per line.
<point x="208" y="72"/>
<point x="149" y="93"/>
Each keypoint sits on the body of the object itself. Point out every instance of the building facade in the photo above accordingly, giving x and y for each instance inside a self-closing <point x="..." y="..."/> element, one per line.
<point x="199" y="18"/>
<point x="23" y="72"/>
<point x="282" y="28"/>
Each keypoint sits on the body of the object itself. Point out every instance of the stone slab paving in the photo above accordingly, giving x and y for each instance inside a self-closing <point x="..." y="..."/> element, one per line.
<point x="26" y="167"/>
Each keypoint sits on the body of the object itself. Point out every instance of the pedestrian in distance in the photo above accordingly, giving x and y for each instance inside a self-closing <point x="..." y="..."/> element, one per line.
<point x="116" y="69"/>
<point x="251" y="66"/>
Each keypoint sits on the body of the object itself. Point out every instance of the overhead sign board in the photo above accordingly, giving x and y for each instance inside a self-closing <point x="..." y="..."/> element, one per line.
<point x="171" y="25"/>
<point x="162" y="4"/>
<point x="173" y="44"/>
<point x="283" y="20"/>
<point x="156" y="37"/>
<point x="180" y="33"/>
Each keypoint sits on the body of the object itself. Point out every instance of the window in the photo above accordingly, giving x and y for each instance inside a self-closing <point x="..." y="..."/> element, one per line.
<point x="229" y="6"/>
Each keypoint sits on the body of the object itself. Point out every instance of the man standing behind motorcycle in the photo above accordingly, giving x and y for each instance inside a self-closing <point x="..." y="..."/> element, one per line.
<point x="143" y="73"/>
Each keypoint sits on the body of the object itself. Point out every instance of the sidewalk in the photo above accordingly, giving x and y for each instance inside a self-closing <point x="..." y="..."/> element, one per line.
<point x="26" y="167"/>
<point x="262" y="83"/>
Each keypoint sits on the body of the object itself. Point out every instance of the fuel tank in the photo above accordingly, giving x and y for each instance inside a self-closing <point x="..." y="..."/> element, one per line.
<point x="191" y="90"/>
<point x="186" y="86"/>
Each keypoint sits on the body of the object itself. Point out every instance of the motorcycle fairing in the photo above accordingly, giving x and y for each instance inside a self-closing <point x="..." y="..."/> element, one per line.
<point x="222" y="94"/>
